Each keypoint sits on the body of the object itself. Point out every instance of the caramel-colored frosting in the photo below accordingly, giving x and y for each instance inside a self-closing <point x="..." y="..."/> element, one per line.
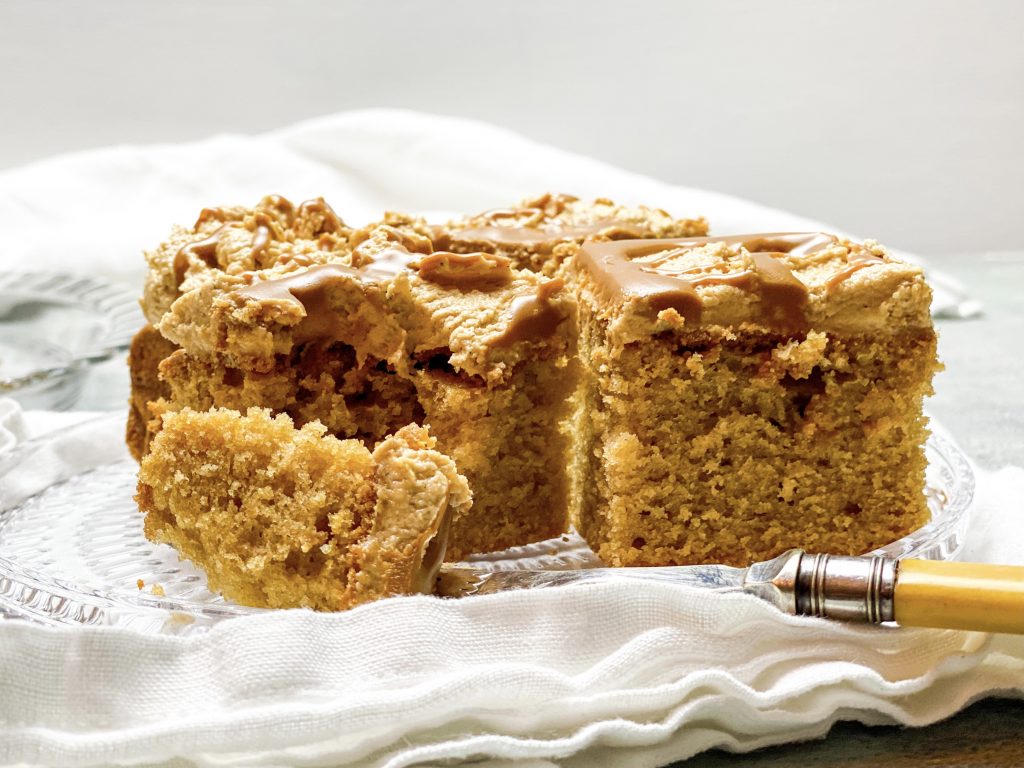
<point x="465" y="270"/>
<point x="858" y="260"/>
<point x="273" y="218"/>
<point x="648" y="270"/>
<point x="530" y="317"/>
<point x="317" y="210"/>
<point x="205" y="249"/>
<point x="369" y="243"/>
<point x="537" y="223"/>
<point x="271" y="204"/>
<point x="533" y="317"/>
<point x="308" y="289"/>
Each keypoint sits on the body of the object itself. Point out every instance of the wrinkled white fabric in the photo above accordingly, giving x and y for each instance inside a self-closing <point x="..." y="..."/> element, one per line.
<point x="610" y="673"/>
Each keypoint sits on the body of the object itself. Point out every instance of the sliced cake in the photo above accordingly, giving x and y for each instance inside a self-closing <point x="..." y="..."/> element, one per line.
<point x="148" y="349"/>
<point x="281" y="517"/>
<point x="749" y="394"/>
<point x="396" y="332"/>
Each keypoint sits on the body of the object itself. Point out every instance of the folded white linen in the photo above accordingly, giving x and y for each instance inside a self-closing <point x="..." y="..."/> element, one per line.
<point x="614" y="673"/>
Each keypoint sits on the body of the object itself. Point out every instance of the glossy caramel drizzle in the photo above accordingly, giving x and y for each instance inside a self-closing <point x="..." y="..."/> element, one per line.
<point x="530" y="317"/>
<point x="309" y="291"/>
<point x="365" y="243"/>
<point x="389" y="263"/>
<point x="318" y="206"/>
<point x="467" y="271"/>
<point x="857" y="261"/>
<point x="532" y="212"/>
<point x="531" y="216"/>
<point x="260" y="239"/>
<point x="205" y="249"/>
<point x="618" y="270"/>
<point x="533" y="317"/>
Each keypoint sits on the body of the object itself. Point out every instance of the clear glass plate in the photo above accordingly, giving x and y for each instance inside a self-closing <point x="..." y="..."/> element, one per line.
<point x="53" y="325"/>
<point x="75" y="553"/>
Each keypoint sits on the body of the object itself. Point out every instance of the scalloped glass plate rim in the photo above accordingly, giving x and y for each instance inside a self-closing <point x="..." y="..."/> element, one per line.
<point x="113" y="302"/>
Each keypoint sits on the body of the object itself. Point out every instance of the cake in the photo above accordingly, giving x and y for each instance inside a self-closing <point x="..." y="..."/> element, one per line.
<point x="394" y="332"/>
<point x="542" y="233"/>
<point x="366" y="330"/>
<point x="234" y="240"/>
<point x="281" y="517"/>
<point x="747" y="394"/>
<point x="148" y="349"/>
<point x="678" y="399"/>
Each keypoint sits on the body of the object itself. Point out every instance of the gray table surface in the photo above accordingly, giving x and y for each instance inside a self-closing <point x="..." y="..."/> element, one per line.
<point x="978" y="399"/>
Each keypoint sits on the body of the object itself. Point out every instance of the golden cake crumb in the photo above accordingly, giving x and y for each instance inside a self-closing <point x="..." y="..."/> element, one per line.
<point x="283" y="517"/>
<point x="680" y="398"/>
<point x="750" y="394"/>
<point x="148" y="349"/>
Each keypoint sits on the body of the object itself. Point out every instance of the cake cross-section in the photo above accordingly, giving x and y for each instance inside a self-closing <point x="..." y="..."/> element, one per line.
<point x="396" y="332"/>
<point x="747" y="394"/>
<point x="281" y="517"/>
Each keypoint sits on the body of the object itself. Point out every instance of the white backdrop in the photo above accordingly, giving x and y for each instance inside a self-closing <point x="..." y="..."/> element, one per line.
<point x="900" y="121"/>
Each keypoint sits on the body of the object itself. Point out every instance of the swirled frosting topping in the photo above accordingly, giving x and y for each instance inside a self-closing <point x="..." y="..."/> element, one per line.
<point x="666" y="274"/>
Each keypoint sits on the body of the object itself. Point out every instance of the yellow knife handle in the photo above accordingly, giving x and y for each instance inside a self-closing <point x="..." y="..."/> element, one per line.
<point x="973" y="596"/>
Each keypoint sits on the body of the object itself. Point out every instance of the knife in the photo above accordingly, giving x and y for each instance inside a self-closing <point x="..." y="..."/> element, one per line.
<point x="872" y="589"/>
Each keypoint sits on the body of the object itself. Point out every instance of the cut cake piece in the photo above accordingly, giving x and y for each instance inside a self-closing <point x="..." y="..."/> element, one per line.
<point x="148" y="349"/>
<point x="541" y="233"/>
<point x="482" y="353"/>
<point x="748" y="394"/>
<point x="281" y="517"/>
<point x="366" y="330"/>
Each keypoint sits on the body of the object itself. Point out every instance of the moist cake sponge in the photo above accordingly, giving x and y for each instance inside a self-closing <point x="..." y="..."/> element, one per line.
<point x="388" y="333"/>
<point x="281" y="517"/>
<point x="749" y="394"/>
<point x="148" y="349"/>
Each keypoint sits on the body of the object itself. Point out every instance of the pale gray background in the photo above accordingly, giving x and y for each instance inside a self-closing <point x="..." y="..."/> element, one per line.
<point x="895" y="120"/>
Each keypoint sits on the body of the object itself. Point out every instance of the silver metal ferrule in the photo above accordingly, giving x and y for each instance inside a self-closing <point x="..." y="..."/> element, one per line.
<point x="850" y="588"/>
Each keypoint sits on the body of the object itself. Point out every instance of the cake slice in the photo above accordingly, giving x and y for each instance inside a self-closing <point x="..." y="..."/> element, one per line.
<point x="748" y="394"/>
<point x="367" y="330"/>
<point x="482" y="353"/>
<point x="281" y="517"/>
<point x="541" y="233"/>
<point x="148" y="349"/>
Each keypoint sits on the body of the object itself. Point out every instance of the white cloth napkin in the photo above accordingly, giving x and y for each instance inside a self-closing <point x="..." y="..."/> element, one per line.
<point x="610" y="673"/>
